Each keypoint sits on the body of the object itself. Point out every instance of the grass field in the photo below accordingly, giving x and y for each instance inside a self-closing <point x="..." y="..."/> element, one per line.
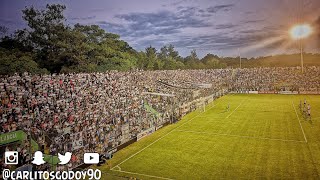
<point x="260" y="137"/>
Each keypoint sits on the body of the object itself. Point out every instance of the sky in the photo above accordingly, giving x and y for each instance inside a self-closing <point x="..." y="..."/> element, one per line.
<point x="250" y="28"/>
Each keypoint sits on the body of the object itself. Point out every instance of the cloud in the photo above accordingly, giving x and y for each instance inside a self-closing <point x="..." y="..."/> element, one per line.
<point x="227" y="41"/>
<point x="249" y="31"/>
<point x="83" y="18"/>
<point x="158" y="29"/>
<point x="208" y="42"/>
<point x="215" y="9"/>
<point x="112" y="27"/>
<point x="178" y="2"/>
<point x="175" y="3"/>
<point x="193" y="11"/>
<point x="180" y="27"/>
<point x="160" y="23"/>
<point x="253" y="21"/>
<point x="187" y="11"/>
<point x="225" y="26"/>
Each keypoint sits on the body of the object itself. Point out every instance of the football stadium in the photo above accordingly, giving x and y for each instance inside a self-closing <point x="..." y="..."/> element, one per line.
<point x="170" y="90"/>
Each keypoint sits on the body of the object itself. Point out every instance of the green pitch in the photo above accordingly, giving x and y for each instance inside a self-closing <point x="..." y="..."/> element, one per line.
<point x="260" y="137"/>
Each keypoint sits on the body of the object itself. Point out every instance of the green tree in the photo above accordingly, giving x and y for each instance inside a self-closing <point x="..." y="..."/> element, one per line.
<point x="170" y="58"/>
<point x="211" y="61"/>
<point x="46" y="32"/>
<point x="15" y="61"/>
<point x="192" y="61"/>
<point x="151" y="55"/>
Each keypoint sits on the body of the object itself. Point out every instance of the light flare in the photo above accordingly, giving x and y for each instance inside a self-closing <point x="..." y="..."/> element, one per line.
<point x="300" y="31"/>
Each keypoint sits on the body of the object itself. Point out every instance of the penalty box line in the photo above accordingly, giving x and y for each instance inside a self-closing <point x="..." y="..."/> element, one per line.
<point x="118" y="165"/>
<point x="239" y="136"/>
<point x="304" y="135"/>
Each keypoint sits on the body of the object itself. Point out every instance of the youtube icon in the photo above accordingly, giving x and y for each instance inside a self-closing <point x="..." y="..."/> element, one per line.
<point x="91" y="158"/>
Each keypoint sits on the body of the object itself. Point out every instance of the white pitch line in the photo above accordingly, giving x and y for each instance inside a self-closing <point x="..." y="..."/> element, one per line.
<point x="235" y="109"/>
<point x="159" y="139"/>
<point x="247" y="137"/>
<point x="147" y="175"/>
<point x="304" y="135"/>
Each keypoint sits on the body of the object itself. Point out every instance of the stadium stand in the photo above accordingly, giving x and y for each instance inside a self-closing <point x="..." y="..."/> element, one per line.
<point x="100" y="112"/>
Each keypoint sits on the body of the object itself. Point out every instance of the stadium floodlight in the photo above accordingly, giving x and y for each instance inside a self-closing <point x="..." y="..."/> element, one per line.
<point x="299" y="32"/>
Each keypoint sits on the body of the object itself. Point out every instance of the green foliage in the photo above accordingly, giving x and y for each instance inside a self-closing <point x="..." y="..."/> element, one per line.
<point x="148" y="60"/>
<point x="211" y="61"/>
<point x="15" y="61"/>
<point x="47" y="33"/>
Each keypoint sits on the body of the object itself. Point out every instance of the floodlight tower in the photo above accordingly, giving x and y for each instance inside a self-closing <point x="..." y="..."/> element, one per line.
<point x="300" y="32"/>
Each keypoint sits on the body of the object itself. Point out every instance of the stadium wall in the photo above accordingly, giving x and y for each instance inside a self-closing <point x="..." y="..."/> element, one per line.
<point x="125" y="144"/>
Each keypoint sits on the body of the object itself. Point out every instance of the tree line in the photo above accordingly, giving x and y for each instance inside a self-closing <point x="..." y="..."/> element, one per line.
<point x="49" y="45"/>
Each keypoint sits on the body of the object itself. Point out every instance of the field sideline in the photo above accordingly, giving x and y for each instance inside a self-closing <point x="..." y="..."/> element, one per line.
<point x="261" y="136"/>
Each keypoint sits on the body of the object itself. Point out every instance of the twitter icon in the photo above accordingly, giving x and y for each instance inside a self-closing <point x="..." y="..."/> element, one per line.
<point x="64" y="159"/>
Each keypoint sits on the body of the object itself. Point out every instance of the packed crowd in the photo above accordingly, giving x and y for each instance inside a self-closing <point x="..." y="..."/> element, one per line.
<point x="78" y="112"/>
<point x="99" y="111"/>
<point x="275" y="79"/>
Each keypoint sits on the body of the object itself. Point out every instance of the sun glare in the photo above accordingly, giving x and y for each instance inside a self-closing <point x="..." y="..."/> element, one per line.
<point x="300" y="31"/>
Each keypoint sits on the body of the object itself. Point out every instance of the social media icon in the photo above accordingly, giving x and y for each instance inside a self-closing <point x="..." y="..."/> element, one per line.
<point x="38" y="158"/>
<point x="91" y="158"/>
<point x="11" y="157"/>
<point x="64" y="159"/>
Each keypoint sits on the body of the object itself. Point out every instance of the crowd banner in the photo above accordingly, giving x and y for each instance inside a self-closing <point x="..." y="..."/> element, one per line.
<point x="16" y="136"/>
<point x="288" y="92"/>
<point x="125" y="133"/>
<point x="253" y="92"/>
<point x="78" y="141"/>
<point x="145" y="133"/>
<point x="204" y="85"/>
<point x="150" y="109"/>
<point x="12" y="137"/>
<point x="66" y="130"/>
